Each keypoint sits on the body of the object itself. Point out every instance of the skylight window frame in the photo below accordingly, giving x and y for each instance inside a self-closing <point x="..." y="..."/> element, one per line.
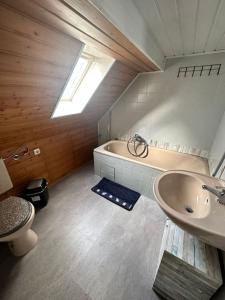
<point x="90" y="60"/>
<point x="73" y="105"/>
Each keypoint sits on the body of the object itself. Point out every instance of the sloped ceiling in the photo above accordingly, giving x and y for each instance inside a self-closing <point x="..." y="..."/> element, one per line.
<point x="127" y="18"/>
<point x="182" y="27"/>
<point x="81" y="20"/>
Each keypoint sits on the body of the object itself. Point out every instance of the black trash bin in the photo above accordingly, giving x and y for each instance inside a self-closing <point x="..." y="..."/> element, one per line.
<point x="37" y="192"/>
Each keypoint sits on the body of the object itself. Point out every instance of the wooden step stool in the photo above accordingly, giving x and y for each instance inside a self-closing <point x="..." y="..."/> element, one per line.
<point x="188" y="268"/>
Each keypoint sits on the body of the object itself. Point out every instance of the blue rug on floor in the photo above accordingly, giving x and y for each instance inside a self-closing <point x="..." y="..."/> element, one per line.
<point x="116" y="193"/>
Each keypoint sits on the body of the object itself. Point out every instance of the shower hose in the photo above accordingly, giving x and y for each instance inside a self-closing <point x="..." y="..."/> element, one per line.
<point x="137" y="146"/>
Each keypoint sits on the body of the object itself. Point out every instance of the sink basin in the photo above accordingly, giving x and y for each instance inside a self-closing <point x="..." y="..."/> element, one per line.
<point x="184" y="194"/>
<point x="195" y="210"/>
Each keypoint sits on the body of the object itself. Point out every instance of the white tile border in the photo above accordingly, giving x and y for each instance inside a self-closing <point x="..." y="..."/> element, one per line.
<point x="173" y="147"/>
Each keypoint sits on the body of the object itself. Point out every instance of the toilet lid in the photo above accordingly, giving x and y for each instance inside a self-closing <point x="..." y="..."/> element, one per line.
<point x="14" y="213"/>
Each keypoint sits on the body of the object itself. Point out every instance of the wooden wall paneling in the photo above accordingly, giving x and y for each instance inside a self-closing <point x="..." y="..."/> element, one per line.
<point x="44" y="16"/>
<point x="95" y="17"/>
<point x="18" y="64"/>
<point x="32" y="49"/>
<point x="67" y="16"/>
<point x="35" y="61"/>
<point x="24" y="170"/>
<point x="58" y="155"/>
<point x="111" y="88"/>
<point x="14" y="26"/>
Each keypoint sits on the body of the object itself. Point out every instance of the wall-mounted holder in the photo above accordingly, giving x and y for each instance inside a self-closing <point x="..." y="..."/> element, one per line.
<point x="213" y="69"/>
<point x="18" y="153"/>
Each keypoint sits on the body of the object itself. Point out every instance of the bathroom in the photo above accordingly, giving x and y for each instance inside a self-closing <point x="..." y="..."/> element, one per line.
<point x="112" y="149"/>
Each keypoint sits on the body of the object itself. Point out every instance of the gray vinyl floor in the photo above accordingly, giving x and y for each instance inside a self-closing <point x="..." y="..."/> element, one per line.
<point x="88" y="249"/>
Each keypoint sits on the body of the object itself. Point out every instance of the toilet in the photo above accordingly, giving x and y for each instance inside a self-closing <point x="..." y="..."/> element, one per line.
<point x="16" y="218"/>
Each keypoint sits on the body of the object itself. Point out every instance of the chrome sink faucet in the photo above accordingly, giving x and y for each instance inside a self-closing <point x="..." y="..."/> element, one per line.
<point x="218" y="191"/>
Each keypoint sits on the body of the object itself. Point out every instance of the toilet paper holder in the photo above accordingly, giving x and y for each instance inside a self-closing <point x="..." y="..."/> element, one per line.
<point x="18" y="153"/>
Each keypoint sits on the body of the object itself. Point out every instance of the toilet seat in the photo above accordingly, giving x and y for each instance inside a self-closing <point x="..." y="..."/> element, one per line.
<point x="15" y="212"/>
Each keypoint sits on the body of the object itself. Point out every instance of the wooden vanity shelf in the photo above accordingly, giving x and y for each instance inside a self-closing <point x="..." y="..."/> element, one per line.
<point x="188" y="268"/>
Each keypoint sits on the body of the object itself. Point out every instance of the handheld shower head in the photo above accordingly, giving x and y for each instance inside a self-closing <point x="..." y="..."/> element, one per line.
<point x="139" y="138"/>
<point x="139" y="145"/>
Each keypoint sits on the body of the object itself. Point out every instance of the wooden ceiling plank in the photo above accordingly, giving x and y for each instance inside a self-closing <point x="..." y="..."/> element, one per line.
<point x="67" y="14"/>
<point x="11" y="21"/>
<point x="17" y="64"/>
<point x="31" y="49"/>
<point x="94" y="16"/>
<point x="35" y="11"/>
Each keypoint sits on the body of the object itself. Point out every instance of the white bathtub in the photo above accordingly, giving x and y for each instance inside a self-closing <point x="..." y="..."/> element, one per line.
<point x="113" y="161"/>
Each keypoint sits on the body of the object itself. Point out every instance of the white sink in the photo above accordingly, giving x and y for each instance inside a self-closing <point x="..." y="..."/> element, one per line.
<point x="187" y="204"/>
<point x="184" y="194"/>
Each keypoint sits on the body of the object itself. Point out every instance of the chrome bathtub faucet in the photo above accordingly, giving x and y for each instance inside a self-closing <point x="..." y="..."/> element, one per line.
<point x="218" y="191"/>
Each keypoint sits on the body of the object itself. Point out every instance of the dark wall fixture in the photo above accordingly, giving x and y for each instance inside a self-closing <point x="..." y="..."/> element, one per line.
<point x="213" y="69"/>
<point x="17" y="154"/>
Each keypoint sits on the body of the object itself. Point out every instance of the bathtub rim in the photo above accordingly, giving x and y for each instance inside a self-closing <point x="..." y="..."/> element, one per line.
<point x="101" y="149"/>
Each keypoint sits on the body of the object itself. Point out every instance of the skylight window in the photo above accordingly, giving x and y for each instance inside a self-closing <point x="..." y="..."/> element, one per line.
<point x="86" y="76"/>
<point x="76" y="77"/>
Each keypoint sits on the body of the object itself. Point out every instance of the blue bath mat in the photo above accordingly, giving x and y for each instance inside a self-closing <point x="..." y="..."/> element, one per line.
<point x="116" y="193"/>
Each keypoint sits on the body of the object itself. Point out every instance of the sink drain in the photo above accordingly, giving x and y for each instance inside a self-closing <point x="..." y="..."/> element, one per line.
<point x="189" y="210"/>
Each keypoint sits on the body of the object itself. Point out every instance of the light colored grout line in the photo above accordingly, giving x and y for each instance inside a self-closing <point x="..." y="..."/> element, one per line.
<point x="195" y="27"/>
<point x="164" y="25"/>
<point x="218" y="8"/>
<point x="178" y="16"/>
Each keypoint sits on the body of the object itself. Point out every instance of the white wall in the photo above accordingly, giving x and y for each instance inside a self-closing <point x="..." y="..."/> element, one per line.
<point x="218" y="148"/>
<point x="176" y="113"/>
<point x="127" y="18"/>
